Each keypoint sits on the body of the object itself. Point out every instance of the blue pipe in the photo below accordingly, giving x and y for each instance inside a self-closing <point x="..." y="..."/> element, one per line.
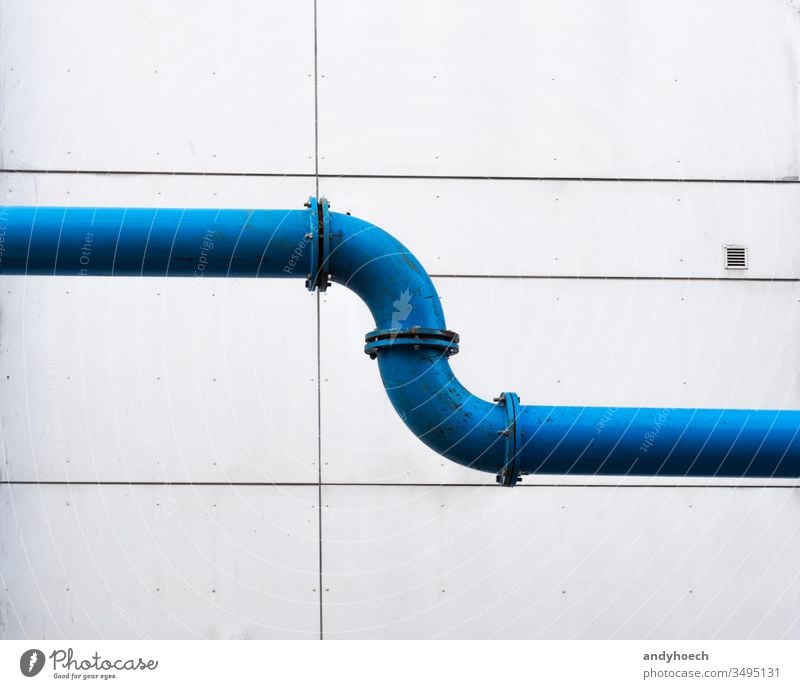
<point x="152" y="241"/>
<point x="411" y="342"/>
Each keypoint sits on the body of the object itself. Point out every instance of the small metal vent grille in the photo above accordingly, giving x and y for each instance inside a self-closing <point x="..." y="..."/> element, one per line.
<point x="736" y="257"/>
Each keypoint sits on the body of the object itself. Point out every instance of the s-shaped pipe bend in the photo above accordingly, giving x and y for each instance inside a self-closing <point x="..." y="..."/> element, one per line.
<point x="510" y="439"/>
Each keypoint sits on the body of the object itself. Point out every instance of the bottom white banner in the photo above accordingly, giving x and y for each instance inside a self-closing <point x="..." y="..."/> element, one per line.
<point x="390" y="664"/>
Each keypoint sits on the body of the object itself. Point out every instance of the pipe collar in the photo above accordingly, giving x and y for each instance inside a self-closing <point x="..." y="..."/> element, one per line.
<point x="319" y="238"/>
<point x="416" y="338"/>
<point x="509" y="474"/>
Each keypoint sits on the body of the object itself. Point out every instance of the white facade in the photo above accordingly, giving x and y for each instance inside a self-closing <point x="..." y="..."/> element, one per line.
<point x="173" y="449"/>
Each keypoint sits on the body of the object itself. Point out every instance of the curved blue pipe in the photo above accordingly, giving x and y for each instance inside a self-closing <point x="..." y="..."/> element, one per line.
<point x="415" y="370"/>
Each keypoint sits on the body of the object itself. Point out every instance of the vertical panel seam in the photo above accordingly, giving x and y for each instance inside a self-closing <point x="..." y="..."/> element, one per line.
<point x="319" y="334"/>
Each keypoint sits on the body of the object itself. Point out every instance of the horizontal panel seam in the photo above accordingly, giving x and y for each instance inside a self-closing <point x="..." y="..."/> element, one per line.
<point x="377" y="176"/>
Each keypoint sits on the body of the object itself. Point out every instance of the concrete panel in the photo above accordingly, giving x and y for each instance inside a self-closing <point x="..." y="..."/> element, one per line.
<point x="564" y="342"/>
<point x="616" y="89"/>
<point x="132" y="85"/>
<point x="643" y="229"/>
<point x="535" y="562"/>
<point x="150" y="379"/>
<point x="158" y="562"/>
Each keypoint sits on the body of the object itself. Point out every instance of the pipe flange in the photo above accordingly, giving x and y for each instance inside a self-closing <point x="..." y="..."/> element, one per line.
<point x="509" y="474"/>
<point x="320" y="240"/>
<point x="416" y="337"/>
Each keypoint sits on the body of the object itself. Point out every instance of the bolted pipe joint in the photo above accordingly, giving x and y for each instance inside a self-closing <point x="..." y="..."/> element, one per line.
<point x="319" y="238"/>
<point x="509" y="474"/>
<point x="417" y="338"/>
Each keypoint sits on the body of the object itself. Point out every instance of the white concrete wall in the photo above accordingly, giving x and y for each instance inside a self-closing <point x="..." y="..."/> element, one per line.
<point x="172" y="450"/>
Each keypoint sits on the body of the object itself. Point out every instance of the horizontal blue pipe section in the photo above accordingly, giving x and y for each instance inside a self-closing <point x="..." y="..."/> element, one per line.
<point x="149" y="241"/>
<point x="661" y="442"/>
<point x="419" y="381"/>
